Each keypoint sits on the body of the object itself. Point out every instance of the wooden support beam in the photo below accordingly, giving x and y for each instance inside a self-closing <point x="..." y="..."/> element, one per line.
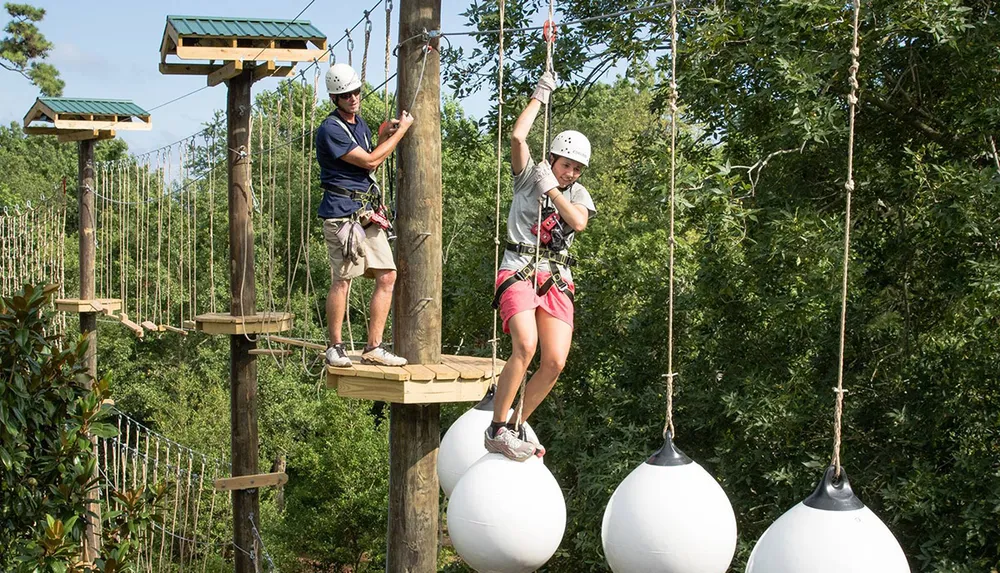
<point x="268" y="69"/>
<point x="250" y="54"/>
<point x="240" y="483"/>
<point x="101" y="124"/>
<point x="244" y="441"/>
<point x="270" y="352"/>
<point x="225" y="73"/>
<point x="150" y="326"/>
<point x="297" y="342"/>
<point x="85" y="134"/>
<point x="88" y="320"/>
<point x="188" y="69"/>
<point x="415" y="430"/>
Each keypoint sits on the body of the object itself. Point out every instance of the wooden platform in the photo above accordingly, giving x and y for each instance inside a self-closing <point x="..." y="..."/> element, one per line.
<point x="260" y="323"/>
<point x="105" y="305"/>
<point x="456" y="379"/>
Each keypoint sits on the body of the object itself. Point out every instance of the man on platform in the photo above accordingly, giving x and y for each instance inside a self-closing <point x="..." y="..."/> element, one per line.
<point x="354" y="220"/>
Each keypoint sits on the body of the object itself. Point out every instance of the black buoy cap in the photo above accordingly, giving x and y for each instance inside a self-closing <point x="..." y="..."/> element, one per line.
<point x="833" y="493"/>
<point x="487" y="402"/>
<point x="668" y="455"/>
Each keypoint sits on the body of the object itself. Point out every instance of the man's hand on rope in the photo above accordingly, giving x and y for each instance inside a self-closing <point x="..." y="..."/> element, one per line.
<point x="546" y="84"/>
<point x="405" y="120"/>
<point x="387" y="128"/>
<point x="544" y="180"/>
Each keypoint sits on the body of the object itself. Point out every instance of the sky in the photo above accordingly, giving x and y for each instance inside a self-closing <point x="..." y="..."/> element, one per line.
<point x="110" y="49"/>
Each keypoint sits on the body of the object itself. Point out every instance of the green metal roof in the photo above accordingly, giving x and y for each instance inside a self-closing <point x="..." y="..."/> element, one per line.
<point x="93" y="106"/>
<point x="244" y="27"/>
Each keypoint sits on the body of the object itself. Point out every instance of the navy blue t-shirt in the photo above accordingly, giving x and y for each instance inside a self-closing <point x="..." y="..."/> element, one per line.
<point x="332" y="143"/>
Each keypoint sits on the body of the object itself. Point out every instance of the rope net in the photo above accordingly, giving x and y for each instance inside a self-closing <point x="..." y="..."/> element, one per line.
<point x="192" y="522"/>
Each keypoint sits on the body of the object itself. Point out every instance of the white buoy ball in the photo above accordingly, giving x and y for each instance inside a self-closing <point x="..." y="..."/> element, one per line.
<point x="824" y="541"/>
<point x="669" y="519"/>
<point x="462" y="445"/>
<point x="506" y="516"/>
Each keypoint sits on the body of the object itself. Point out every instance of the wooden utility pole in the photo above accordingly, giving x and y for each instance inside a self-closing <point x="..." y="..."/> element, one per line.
<point x="415" y="430"/>
<point x="88" y="320"/>
<point x="243" y="365"/>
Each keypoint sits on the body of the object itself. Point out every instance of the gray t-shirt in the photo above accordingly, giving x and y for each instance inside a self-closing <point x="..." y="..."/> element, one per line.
<point x="524" y="215"/>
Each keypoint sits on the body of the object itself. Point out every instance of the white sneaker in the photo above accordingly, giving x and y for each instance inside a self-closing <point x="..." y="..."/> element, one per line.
<point x="506" y="442"/>
<point x="337" y="356"/>
<point x="382" y="357"/>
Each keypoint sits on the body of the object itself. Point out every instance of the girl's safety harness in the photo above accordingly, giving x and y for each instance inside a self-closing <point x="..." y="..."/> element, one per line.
<point x="554" y="258"/>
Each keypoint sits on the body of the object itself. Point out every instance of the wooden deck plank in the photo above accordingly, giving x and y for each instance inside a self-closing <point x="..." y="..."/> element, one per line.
<point x="251" y="481"/>
<point x="443" y="372"/>
<point x="466" y="369"/>
<point x="369" y="389"/>
<point x="419" y="372"/>
<point x="367" y="371"/>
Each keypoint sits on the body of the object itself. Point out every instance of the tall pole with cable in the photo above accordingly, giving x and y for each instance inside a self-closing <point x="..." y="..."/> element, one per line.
<point x="243" y="365"/>
<point x="415" y="434"/>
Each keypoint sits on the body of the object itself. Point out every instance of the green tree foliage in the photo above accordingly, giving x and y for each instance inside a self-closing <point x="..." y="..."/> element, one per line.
<point x="760" y="222"/>
<point x="759" y="242"/>
<point x="49" y="408"/>
<point x="24" y="46"/>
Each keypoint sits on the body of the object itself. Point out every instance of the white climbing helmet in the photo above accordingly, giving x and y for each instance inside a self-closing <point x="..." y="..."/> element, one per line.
<point x="341" y="78"/>
<point x="572" y="145"/>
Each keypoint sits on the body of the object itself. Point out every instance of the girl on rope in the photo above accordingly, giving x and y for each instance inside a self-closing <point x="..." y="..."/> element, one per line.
<point x="534" y="287"/>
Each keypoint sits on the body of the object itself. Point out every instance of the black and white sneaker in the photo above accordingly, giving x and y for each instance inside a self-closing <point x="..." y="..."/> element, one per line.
<point x="337" y="356"/>
<point x="382" y="357"/>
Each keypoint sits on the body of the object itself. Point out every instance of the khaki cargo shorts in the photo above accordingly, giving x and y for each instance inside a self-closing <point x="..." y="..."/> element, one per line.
<point x="378" y="254"/>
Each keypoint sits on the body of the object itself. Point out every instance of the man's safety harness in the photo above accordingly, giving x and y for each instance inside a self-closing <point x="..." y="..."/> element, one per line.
<point x="527" y="272"/>
<point x="379" y="214"/>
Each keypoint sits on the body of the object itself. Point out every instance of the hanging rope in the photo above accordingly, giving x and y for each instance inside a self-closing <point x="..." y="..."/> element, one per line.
<point x="852" y="100"/>
<point x="211" y="223"/>
<point x="273" y="186"/>
<point x="350" y="47"/>
<point x="364" y="54"/>
<point x="385" y="90"/>
<point x="550" y="39"/>
<point x="496" y="214"/>
<point x="668" y="428"/>
<point x="288" y="202"/>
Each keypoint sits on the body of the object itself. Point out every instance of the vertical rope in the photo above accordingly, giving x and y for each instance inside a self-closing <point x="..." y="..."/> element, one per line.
<point x="211" y="518"/>
<point x="852" y="100"/>
<point x="385" y="89"/>
<point x="308" y="212"/>
<point x="288" y="204"/>
<point x="197" y="510"/>
<point x="668" y="427"/>
<point x="496" y="213"/>
<point x="545" y="142"/>
<point x="122" y="183"/>
<point x="273" y="184"/>
<point x="194" y="244"/>
<point x="4" y="271"/>
<point x="168" y="199"/>
<point x="106" y="218"/>
<point x="350" y="47"/>
<point x="187" y="506"/>
<point x="163" y="531"/>
<point x="211" y="221"/>
<point x="364" y="54"/>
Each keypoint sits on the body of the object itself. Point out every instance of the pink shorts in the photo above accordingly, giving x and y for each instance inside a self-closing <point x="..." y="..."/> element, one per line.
<point x="521" y="296"/>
